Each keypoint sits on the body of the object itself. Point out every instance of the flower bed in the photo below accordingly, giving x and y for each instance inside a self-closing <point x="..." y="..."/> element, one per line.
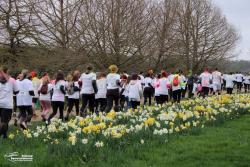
<point x="118" y="129"/>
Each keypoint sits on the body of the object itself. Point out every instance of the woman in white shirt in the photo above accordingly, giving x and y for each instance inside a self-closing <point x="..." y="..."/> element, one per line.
<point x="7" y="87"/>
<point x="246" y="83"/>
<point x="88" y="90"/>
<point x="148" y="89"/>
<point x="73" y="91"/>
<point x="156" y="84"/>
<point x="164" y="84"/>
<point x="134" y="92"/>
<point x="44" y="91"/>
<point x="100" y="97"/>
<point x="113" y="84"/>
<point x="229" y="83"/>
<point x="24" y="98"/>
<point x="58" y="96"/>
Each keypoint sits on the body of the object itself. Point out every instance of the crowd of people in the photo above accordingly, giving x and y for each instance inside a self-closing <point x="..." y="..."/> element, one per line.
<point x="100" y="92"/>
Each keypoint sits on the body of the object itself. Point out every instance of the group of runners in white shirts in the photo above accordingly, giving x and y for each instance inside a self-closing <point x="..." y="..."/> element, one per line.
<point x="100" y="92"/>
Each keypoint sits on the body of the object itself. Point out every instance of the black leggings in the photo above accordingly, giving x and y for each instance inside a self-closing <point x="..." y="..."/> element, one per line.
<point x="72" y="103"/>
<point x="5" y="116"/>
<point x="247" y="87"/>
<point x="112" y="96"/>
<point x="87" y="99"/>
<point x="100" y="104"/>
<point x="177" y="95"/>
<point x="55" y="106"/>
<point x="134" y="104"/>
<point x="163" y="99"/>
<point x="239" y="86"/>
<point x="190" y="90"/>
<point x="229" y="91"/>
<point x="26" y="113"/>
<point x="147" y="93"/>
<point x="205" y="91"/>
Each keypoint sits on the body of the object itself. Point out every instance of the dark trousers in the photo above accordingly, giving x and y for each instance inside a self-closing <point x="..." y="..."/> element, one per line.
<point x="26" y="113"/>
<point x="87" y="99"/>
<point x="100" y="105"/>
<point x="183" y="92"/>
<point x="247" y="87"/>
<point x="147" y="93"/>
<point x="134" y="104"/>
<point x="72" y="103"/>
<point x="122" y="102"/>
<point x="239" y="86"/>
<point x="177" y="95"/>
<point x="112" y="96"/>
<point x="163" y="99"/>
<point x="229" y="91"/>
<point x="205" y="91"/>
<point x="5" y="117"/>
<point x="157" y="99"/>
<point x="55" y="106"/>
<point x="190" y="90"/>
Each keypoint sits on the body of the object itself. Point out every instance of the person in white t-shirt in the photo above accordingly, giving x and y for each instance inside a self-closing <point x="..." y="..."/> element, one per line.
<point x="24" y="98"/>
<point x="123" y="85"/>
<point x="148" y="89"/>
<point x="101" y="95"/>
<point x="164" y="85"/>
<point x="239" y="80"/>
<point x="8" y="86"/>
<point x="113" y="84"/>
<point x="36" y="83"/>
<point x="217" y="81"/>
<point x="246" y="83"/>
<point x="156" y="85"/>
<point x="44" y="91"/>
<point x="176" y="83"/>
<point x="73" y="91"/>
<point x="88" y="90"/>
<point x="58" y="97"/>
<point x="229" y="78"/>
<point x="134" y="92"/>
<point x="206" y="81"/>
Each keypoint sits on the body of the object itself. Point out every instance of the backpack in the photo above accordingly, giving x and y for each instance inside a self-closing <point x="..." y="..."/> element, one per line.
<point x="176" y="81"/>
<point x="70" y="89"/>
<point x="44" y="89"/>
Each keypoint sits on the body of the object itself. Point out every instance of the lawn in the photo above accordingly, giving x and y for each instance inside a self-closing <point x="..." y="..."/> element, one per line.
<point x="224" y="144"/>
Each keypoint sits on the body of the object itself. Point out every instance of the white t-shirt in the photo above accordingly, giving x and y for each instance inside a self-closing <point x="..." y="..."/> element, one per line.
<point x="57" y="93"/>
<point x="23" y="98"/>
<point x="102" y="88"/>
<point x="75" y="95"/>
<point x="229" y="81"/>
<point x="163" y="90"/>
<point x="147" y="81"/>
<point x="239" y="77"/>
<point x="45" y="97"/>
<point x="217" y="77"/>
<point x="126" y="91"/>
<point x="206" y="77"/>
<point x="112" y="81"/>
<point x="156" y="84"/>
<point x="6" y="93"/>
<point x="246" y="80"/>
<point x="87" y="80"/>
<point x="134" y="91"/>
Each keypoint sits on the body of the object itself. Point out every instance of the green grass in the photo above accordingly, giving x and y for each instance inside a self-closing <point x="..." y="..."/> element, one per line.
<point x="226" y="144"/>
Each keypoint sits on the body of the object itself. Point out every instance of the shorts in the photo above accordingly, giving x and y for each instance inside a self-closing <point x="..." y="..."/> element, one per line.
<point x="216" y="86"/>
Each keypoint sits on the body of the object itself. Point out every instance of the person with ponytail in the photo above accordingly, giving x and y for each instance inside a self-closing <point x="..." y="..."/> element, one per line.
<point x="113" y="84"/>
<point x="88" y="90"/>
<point x="8" y="86"/>
<point x="58" y="97"/>
<point x="24" y="98"/>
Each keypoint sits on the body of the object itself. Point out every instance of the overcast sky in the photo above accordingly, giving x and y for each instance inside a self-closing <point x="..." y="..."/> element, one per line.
<point x="238" y="14"/>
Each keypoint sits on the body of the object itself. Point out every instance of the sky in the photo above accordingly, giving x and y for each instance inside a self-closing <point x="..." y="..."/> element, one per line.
<point x="237" y="13"/>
